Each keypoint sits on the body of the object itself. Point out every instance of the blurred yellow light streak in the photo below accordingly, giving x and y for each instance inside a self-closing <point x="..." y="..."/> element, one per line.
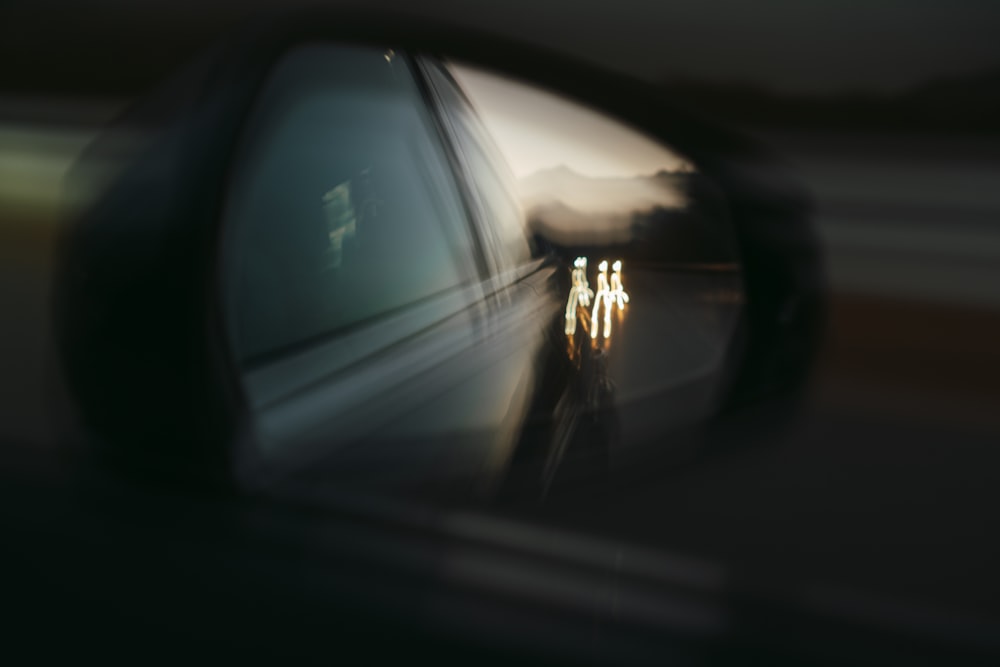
<point x="579" y="294"/>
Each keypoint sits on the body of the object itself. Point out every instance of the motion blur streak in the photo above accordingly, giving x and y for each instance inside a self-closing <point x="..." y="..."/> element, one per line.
<point x="876" y="505"/>
<point x="34" y="159"/>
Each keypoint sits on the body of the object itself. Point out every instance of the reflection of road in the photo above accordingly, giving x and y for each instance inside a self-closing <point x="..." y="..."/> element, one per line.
<point x="668" y="346"/>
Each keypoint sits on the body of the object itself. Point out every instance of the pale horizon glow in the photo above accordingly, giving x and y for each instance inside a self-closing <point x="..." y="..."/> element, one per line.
<point x="537" y="130"/>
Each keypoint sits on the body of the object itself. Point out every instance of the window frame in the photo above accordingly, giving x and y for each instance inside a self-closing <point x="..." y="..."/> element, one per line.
<point x="498" y="266"/>
<point x="452" y="300"/>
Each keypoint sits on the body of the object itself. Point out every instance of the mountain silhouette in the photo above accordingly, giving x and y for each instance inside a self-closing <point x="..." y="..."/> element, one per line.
<point x="662" y="217"/>
<point x="614" y="195"/>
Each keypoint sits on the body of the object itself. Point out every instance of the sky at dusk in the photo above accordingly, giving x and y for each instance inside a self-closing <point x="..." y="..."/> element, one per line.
<point x="537" y="130"/>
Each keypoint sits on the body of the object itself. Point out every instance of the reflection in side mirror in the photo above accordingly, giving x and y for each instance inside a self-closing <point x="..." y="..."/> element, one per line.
<point x="306" y="262"/>
<point x="606" y="198"/>
<point x="397" y="322"/>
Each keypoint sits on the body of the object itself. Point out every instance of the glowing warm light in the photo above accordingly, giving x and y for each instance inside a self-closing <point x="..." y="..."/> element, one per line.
<point x="579" y="294"/>
<point x="618" y="292"/>
<point x="609" y="294"/>
<point x="570" y="347"/>
<point x="603" y="297"/>
<point x="600" y="344"/>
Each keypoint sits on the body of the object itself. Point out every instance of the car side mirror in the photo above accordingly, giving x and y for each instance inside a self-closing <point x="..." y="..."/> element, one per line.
<point x="308" y="259"/>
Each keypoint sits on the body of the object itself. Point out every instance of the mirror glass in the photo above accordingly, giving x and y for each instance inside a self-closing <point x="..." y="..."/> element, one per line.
<point x="438" y="281"/>
<point x="629" y="214"/>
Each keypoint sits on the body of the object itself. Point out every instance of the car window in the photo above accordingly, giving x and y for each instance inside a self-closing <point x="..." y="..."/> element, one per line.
<point x="342" y="206"/>
<point x="492" y="185"/>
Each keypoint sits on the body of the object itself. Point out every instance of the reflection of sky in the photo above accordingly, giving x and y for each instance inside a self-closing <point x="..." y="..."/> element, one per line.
<point x="537" y="130"/>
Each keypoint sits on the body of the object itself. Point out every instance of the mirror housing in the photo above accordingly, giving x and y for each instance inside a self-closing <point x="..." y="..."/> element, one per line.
<point x="139" y="324"/>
